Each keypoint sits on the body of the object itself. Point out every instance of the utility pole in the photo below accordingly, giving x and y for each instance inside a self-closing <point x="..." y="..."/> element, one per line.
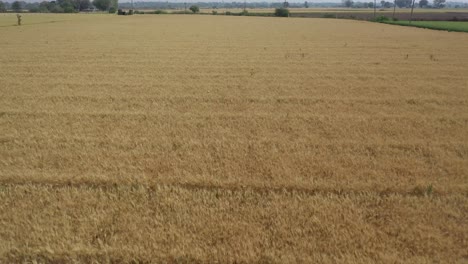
<point x="411" y="17"/>
<point x="394" y="7"/>
<point x="375" y="7"/>
<point x="245" y="4"/>
<point x="185" y="8"/>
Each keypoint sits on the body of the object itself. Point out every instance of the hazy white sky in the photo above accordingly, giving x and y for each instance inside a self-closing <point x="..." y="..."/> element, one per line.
<point x="270" y="1"/>
<point x="248" y="1"/>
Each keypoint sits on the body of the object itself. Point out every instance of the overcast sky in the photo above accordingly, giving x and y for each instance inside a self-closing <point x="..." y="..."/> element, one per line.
<point x="270" y="1"/>
<point x="248" y="1"/>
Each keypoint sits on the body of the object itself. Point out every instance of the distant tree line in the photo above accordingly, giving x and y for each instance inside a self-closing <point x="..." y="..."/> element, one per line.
<point x="3" y="7"/>
<point x="223" y="5"/>
<point x="59" y="6"/>
<point x="280" y="4"/>
<point x="70" y="6"/>
<point x="106" y="5"/>
<point x="399" y="3"/>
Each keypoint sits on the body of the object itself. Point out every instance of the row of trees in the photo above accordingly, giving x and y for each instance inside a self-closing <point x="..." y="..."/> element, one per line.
<point x="350" y="3"/>
<point x="3" y="7"/>
<point x="70" y="6"/>
<point x="106" y="4"/>
<point x="62" y="6"/>
<point x="16" y="6"/>
<point x="59" y="6"/>
<point x="398" y="3"/>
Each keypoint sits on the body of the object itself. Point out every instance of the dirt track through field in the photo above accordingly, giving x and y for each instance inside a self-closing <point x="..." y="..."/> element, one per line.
<point x="202" y="138"/>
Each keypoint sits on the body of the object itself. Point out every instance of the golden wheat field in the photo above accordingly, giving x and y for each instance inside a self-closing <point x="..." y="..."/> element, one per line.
<point x="212" y="139"/>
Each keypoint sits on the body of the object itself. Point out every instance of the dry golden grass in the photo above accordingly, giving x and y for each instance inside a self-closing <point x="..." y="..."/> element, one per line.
<point x="231" y="139"/>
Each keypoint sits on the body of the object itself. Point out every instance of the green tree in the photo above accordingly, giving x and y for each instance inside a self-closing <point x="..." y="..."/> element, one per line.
<point x="56" y="9"/>
<point x="194" y="9"/>
<point x="2" y="7"/>
<point x="282" y="12"/>
<point x="439" y="3"/>
<point x="67" y="5"/>
<point x="102" y="4"/>
<point x="423" y="3"/>
<point x="348" y="3"/>
<point x="403" y="3"/>
<point x="16" y="6"/>
<point x="44" y="7"/>
<point x="30" y="6"/>
<point x="81" y="4"/>
<point x="306" y="5"/>
<point x="370" y="4"/>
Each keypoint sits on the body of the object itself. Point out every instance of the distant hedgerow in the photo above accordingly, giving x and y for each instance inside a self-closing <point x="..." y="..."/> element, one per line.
<point x="282" y="12"/>
<point x="381" y="19"/>
<point x="159" y="12"/>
